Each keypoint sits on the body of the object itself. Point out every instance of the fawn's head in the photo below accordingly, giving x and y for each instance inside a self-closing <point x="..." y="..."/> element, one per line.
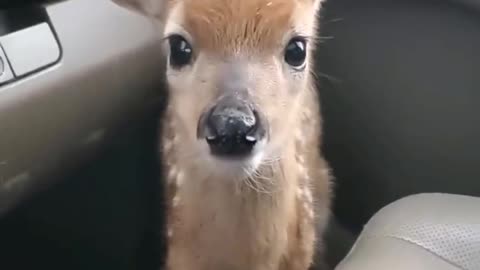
<point x="236" y="72"/>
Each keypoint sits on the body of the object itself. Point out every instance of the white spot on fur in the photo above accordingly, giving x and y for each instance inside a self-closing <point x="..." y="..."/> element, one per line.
<point x="180" y="178"/>
<point x="175" y="140"/>
<point x="257" y="160"/>
<point x="176" y="201"/>
<point x="299" y="193"/>
<point x="172" y="174"/>
<point x="308" y="196"/>
<point x="308" y="209"/>
<point x="299" y="136"/>
<point x="170" y="233"/>
<point x="300" y="159"/>
<point x="172" y="125"/>
<point x="302" y="172"/>
<point x="326" y="172"/>
<point x="310" y="213"/>
<point x="306" y="206"/>
<point x="167" y="145"/>
<point x="307" y="114"/>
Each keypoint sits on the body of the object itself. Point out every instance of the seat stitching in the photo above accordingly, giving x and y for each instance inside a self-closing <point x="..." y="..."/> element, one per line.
<point x="418" y="245"/>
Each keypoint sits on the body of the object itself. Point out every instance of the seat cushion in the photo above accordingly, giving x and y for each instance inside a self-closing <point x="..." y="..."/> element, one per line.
<point x="425" y="231"/>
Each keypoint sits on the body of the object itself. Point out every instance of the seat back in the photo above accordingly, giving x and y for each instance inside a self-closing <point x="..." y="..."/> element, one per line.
<point x="400" y="89"/>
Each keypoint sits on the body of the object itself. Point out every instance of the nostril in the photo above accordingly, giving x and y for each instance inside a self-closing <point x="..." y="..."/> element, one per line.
<point x="250" y="139"/>
<point x="213" y="140"/>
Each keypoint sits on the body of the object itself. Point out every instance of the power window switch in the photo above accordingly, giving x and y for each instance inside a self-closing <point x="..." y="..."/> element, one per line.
<point x="6" y="73"/>
<point x="31" y="49"/>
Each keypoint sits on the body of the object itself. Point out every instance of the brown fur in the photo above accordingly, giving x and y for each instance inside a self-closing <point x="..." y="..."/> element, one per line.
<point x="234" y="25"/>
<point x="220" y="219"/>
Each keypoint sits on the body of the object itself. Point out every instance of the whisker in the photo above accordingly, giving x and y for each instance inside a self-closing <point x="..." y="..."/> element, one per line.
<point x="271" y="161"/>
<point x="317" y="75"/>
<point x="320" y="38"/>
<point x="335" y="20"/>
<point x="252" y="182"/>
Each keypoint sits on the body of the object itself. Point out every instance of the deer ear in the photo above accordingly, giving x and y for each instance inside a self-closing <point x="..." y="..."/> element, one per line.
<point x="149" y="8"/>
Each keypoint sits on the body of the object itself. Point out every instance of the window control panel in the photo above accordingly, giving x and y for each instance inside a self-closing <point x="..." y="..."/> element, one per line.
<point x="30" y="49"/>
<point x="27" y="43"/>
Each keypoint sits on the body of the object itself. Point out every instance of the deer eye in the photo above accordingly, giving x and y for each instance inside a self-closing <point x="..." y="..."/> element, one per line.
<point x="180" y="51"/>
<point x="296" y="52"/>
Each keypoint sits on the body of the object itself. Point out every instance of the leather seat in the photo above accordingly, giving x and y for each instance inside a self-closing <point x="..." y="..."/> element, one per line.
<point x="426" y="231"/>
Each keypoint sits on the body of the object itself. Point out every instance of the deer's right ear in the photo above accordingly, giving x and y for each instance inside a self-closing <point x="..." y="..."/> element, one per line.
<point x="149" y="8"/>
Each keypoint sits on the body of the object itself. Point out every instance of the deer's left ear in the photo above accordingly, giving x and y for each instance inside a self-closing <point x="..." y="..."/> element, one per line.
<point x="150" y="8"/>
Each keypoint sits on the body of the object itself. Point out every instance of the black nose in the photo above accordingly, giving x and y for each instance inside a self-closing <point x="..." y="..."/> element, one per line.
<point x="232" y="128"/>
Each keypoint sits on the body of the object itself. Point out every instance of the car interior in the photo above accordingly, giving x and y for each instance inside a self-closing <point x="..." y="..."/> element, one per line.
<point x="82" y="93"/>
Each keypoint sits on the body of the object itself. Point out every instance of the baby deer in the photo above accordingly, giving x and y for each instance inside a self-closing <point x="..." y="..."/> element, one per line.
<point x="247" y="186"/>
